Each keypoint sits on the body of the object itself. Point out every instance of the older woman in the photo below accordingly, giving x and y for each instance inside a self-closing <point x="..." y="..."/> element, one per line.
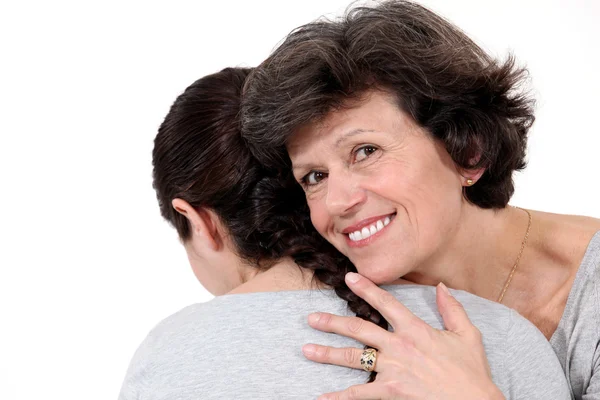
<point x="404" y="135"/>
<point x="246" y="233"/>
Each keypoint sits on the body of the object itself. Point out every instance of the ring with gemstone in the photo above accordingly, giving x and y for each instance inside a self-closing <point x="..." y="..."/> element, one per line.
<point x="368" y="359"/>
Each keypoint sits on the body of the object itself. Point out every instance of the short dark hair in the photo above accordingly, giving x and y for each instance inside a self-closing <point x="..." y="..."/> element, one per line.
<point x="471" y="102"/>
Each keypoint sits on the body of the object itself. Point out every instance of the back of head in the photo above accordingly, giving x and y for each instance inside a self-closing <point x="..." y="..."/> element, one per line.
<point x="439" y="77"/>
<point x="199" y="156"/>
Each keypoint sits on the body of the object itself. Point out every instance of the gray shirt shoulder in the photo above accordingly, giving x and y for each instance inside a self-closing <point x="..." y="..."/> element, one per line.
<point x="248" y="346"/>
<point x="576" y="340"/>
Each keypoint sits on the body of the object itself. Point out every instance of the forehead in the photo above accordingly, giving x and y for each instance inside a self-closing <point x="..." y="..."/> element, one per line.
<point x="375" y="111"/>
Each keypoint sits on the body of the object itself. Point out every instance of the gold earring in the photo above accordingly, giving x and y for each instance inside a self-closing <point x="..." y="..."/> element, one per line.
<point x="470" y="182"/>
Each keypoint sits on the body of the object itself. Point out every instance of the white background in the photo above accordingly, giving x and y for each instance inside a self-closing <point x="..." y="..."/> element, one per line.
<point x="87" y="265"/>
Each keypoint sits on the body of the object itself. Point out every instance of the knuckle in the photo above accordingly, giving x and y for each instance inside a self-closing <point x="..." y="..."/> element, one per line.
<point x="353" y="393"/>
<point x="402" y="343"/>
<point x="324" y="352"/>
<point x="395" y="342"/>
<point x="385" y="298"/>
<point x="475" y="334"/>
<point x="325" y="319"/>
<point x="355" y="324"/>
<point x="350" y="356"/>
<point x="416" y="325"/>
<point x="394" y="388"/>
<point x="456" y="306"/>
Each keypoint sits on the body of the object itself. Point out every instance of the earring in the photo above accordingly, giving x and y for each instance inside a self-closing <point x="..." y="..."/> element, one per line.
<point x="470" y="182"/>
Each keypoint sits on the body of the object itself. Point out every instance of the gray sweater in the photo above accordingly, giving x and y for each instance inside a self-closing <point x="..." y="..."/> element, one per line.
<point x="576" y="341"/>
<point x="248" y="346"/>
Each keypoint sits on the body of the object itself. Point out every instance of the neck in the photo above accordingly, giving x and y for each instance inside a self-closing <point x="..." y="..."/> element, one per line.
<point x="284" y="275"/>
<point x="479" y="255"/>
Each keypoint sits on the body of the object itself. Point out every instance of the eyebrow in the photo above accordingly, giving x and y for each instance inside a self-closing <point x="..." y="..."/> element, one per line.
<point x="337" y="143"/>
<point x="350" y="134"/>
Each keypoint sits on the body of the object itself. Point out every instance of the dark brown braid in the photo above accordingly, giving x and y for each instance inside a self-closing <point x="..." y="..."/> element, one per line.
<point x="200" y="157"/>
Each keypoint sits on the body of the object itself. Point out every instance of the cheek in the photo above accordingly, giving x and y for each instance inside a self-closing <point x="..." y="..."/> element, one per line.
<point x="318" y="215"/>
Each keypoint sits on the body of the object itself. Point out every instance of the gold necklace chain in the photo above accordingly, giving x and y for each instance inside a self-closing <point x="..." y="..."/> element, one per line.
<point x="514" y="268"/>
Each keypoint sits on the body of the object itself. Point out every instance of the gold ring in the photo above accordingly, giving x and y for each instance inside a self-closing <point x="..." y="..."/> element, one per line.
<point x="368" y="359"/>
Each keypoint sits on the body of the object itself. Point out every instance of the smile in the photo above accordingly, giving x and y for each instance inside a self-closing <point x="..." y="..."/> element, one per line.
<point x="371" y="229"/>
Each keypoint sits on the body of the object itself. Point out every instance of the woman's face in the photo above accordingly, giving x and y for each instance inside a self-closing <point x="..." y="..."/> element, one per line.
<point x="379" y="187"/>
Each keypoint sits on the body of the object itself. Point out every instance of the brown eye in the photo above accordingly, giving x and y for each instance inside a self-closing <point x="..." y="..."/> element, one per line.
<point x="313" y="177"/>
<point x="364" y="152"/>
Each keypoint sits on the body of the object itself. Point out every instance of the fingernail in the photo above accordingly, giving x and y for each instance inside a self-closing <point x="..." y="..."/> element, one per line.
<point x="314" y="318"/>
<point x="352" y="277"/>
<point x="444" y="288"/>
<point x="309" y="349"/>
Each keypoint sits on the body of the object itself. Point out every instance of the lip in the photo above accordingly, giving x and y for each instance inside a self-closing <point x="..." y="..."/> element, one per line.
<point x="366" y="222"/>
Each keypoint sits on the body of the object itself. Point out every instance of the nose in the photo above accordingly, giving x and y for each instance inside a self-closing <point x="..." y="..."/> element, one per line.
<point x="344" y="193"/>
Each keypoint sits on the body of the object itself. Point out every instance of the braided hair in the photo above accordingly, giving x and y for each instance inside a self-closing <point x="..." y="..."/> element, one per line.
<point x="200" y="157"/>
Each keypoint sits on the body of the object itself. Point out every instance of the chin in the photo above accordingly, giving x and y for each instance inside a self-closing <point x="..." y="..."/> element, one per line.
<point x="379" y="276"/>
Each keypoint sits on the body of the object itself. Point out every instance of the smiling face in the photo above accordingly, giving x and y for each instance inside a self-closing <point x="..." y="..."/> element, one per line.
<point x="379" y="187"/>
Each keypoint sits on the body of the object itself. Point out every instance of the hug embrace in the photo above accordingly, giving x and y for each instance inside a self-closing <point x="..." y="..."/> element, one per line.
<point x="346" y="201"/>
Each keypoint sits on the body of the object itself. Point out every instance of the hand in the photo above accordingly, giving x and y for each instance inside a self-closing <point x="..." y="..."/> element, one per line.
<point x="415" y="361"/>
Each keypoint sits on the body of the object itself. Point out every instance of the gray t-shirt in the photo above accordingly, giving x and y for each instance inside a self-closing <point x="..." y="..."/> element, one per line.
<point x="248" y="346"/>
<point x="576" y="340"/>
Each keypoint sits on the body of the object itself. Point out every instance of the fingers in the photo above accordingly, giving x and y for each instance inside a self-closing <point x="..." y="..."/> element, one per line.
<point x="390" y="308"/>
<point x="344" y="357"/>
<point x="367" y="391"/>
<point x="453" y="313"/>
<point x="353" y="327"/>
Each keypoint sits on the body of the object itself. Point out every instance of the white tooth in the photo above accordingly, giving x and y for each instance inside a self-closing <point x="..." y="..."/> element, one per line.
<point x="386" y="221"/>
<point x="351" y="236"/>
<point x="372" y="229"/>
<point x="357" y="235"/>
<point x="379" y="225"/>
<point x="365" y="232"/>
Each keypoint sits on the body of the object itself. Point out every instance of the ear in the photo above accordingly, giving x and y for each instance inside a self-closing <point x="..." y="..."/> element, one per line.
<point x="471" y="176"/>
<point x="205" y="224"/>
